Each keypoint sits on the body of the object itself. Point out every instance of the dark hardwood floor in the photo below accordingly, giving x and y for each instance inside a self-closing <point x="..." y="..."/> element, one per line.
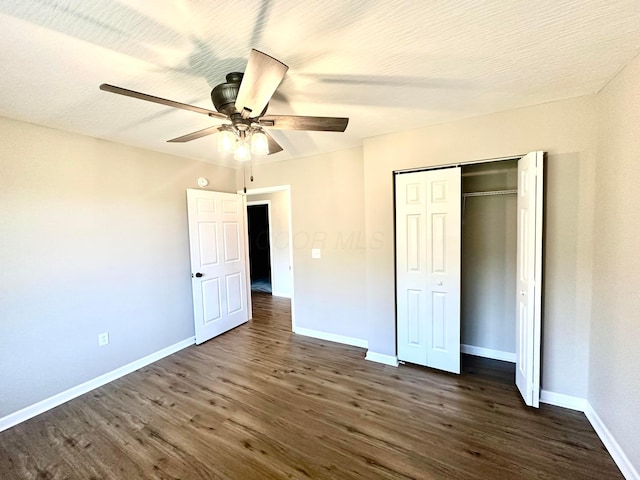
<point x="259" y="402"/>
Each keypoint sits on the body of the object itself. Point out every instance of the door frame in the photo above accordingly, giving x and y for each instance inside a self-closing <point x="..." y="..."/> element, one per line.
<point x="259" y="191"/>
<point x="457" y="164"/>
<point x="268" y="204"/>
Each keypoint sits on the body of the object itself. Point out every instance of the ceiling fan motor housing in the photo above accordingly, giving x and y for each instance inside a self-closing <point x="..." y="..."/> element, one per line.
<point x="224" y="95"/>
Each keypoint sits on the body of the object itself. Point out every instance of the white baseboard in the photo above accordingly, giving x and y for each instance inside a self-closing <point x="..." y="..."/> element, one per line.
<point x="332" y="337"/>
<point x="612" y="446"/>
<point x="616" y="452"/>
<point x="47" y="404"/>
<point x="281" y="294"/>
<point x="562" y="400"/>
<point x="382" y="358"/>
<point x="488" y="353"/>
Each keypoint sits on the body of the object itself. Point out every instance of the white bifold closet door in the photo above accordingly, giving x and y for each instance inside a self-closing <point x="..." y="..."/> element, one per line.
<point x="428" y="251"/>
<point x="428" y="239"/>
<point x="529" y="277"/>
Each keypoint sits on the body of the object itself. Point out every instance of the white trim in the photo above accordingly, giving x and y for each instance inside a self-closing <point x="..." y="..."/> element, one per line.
<point x="615" y="450"/>
<point x="47" y="404"/>
<point x="281" y="294"/>
<point x="458" y="164"/>
<point x="582" y="405"/>
<point x="247" y="260"/>
<point x="562" y="400"/>
<point x="488" y="353"/>
<point x="332" y="337"/>
<point x="391" y="360"/>
<point x="291" y="269"/>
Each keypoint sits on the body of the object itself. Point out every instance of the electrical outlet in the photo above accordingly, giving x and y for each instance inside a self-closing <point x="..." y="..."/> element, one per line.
<point x="103" y="339"/>
<point x="315" y="253"/>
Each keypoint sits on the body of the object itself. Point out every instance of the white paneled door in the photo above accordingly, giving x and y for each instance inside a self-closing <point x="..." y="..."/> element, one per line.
<point x="529" y="277"/>
<point x="218" y="262"/>
<point x="428" y="240"/>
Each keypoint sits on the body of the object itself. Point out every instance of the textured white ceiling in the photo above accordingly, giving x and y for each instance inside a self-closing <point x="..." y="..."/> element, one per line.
<point x="388" y="65"/>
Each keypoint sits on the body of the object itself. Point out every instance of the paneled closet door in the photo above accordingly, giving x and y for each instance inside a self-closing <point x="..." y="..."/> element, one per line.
<point x="428" y="238"/>
<point x="529" y="277"/>
<point x="411" y="265"/>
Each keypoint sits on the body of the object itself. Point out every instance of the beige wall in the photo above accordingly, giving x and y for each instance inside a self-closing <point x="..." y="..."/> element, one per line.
<point x="566" y="130"/>
<point x="614" y="388"/>
<point x="93" y="238"/>
<point x="327" y="206"/>
<point x="279" y="214"/>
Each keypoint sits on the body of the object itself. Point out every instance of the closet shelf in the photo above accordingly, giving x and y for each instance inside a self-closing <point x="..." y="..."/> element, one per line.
<point x="494" y="192"/>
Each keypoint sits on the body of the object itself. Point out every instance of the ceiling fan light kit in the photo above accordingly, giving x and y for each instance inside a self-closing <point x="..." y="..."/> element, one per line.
<point x="242" y="152"/>
<point x="235" y="142"/>
<point x="243" y="101"/>
<point x="259" y="143"/>
<point x="226" y="141"/>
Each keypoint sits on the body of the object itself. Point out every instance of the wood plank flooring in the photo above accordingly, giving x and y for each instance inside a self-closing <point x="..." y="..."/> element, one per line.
<point x="259" y="402"/>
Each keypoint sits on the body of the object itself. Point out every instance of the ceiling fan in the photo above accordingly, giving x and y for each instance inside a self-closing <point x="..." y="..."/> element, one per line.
<point x="243" y="101"/>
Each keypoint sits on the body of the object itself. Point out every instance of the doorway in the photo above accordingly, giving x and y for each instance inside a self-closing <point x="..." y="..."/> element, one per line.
<point x="488" y="263"/>
<point x="258" y="226"/>
<point x="278" y="201"/>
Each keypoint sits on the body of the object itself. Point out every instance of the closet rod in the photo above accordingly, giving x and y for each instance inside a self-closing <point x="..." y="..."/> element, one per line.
<point x="486" y="194"/>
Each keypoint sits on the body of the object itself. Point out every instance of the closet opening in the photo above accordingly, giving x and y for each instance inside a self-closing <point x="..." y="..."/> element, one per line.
<point x="488" y="268"/>
<point x="488" y="260"/>
<point x="469" y="268"/>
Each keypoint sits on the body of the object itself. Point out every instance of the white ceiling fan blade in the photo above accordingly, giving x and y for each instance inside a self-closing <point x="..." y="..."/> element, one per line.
<point x="260" y="80"/>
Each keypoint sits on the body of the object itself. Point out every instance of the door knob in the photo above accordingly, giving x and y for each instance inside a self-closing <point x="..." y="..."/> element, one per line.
<point x="522" y="292"/>
<point x="440" y="282"/>
<point x="198" y="275"/>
